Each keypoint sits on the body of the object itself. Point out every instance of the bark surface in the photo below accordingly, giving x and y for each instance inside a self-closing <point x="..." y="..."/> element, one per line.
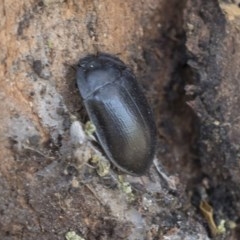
<point x="186" y="55"/>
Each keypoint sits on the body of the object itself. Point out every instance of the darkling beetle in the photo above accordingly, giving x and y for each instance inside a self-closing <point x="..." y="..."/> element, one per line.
<point x="116" y="105"/>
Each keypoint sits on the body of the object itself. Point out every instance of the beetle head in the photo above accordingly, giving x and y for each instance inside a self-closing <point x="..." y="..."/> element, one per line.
<point x="94" y="72"/>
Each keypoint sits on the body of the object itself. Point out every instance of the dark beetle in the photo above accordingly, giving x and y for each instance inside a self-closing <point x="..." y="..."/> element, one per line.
<point x="118" y="108"/>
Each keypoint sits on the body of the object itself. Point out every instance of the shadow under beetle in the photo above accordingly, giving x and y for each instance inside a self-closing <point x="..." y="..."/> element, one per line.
<point x="118" y="108"/>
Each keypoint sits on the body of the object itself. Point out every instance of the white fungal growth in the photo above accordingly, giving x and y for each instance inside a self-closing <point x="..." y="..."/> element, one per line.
<point x="78" y="136"/>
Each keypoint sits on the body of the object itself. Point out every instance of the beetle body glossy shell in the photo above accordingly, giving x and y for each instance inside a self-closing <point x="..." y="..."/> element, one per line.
<point x="118" y="108"/>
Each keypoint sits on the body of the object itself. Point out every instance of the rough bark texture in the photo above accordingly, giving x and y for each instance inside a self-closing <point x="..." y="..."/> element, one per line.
<point x="186" y="56"/>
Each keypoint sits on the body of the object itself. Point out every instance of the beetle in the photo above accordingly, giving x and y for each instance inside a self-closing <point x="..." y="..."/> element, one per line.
<point x="116" y="105"/>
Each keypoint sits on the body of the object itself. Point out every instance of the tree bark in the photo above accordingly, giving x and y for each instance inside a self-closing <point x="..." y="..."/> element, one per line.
<point x="184" y="54"/>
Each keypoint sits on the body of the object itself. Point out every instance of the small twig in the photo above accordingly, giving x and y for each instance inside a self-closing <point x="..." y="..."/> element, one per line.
<point x="94" y="194"/>
<point x="170" y="180"/>
<point x="36" y="151"/>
